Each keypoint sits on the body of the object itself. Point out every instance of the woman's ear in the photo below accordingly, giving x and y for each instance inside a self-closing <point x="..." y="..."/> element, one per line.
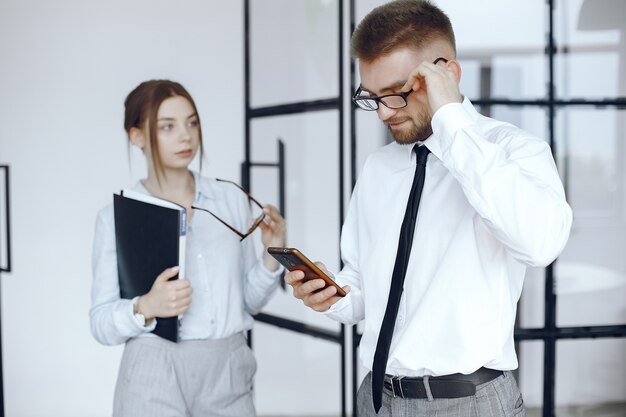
<point x="137" y="137"/>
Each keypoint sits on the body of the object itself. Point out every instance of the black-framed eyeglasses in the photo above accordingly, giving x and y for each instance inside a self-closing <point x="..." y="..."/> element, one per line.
<point x="391" y="101"/>
<point x="257" y="220"/>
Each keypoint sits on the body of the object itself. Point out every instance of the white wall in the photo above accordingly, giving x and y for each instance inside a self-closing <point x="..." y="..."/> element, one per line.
<point x="65" y="70"/>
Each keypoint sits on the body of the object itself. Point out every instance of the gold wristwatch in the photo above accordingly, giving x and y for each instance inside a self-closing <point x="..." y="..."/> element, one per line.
<point x="139" y="317"/>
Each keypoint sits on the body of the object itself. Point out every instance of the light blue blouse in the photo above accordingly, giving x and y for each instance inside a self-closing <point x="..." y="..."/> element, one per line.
<point x="229" y="280"/>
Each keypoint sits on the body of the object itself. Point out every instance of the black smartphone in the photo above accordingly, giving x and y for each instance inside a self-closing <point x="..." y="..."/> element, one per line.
<point x="294" y="260"/>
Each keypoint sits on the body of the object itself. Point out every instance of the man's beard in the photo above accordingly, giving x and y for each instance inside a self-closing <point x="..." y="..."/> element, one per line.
<point x="415" y="132"/>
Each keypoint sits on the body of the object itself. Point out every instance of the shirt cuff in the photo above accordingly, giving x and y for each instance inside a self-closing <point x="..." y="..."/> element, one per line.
<point x="447" y="121"/>
<point x="146" y="328"/>
<point x="271" y="274"/>
<point x="338" y="306"/>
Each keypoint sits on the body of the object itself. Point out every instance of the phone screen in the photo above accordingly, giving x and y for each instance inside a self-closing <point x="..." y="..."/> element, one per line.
<point x="293" y="260"/>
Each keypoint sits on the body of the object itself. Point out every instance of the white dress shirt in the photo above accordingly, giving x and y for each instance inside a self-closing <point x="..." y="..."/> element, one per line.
<point x="492" y="204"/>
<point x="230" y="282"/>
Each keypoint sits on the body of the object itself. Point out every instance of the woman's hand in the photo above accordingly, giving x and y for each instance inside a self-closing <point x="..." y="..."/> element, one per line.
<point x="166" y="298"/>
<point x="273" y="231"/>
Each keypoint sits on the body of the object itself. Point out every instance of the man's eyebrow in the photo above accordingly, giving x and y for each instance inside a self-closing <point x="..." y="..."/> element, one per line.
<point x="391" y="87"/>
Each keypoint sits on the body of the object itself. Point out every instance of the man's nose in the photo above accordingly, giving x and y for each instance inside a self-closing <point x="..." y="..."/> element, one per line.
<point x="385" y="112"/>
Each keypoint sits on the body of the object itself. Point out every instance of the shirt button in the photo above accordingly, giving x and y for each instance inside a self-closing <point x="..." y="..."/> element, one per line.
<point x="199" y="256"/>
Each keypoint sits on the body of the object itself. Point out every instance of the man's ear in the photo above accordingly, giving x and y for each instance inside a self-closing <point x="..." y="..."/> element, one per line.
<point x="454" y="65"/>
<point x="137" y="137"/>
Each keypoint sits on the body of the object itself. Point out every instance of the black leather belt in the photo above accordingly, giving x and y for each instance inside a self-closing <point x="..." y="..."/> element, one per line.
<point x="447" y="386"/>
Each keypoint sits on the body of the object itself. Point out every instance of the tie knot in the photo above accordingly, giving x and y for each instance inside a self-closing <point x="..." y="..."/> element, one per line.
<point x="422" y="154"/>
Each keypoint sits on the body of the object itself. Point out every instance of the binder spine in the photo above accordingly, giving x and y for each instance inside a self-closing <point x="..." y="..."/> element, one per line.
<point x="182" y="243"/>
<point x="183" y="222"/>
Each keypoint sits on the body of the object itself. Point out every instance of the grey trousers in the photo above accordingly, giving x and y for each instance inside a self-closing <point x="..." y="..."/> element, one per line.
<point x="497" y="398"/>
<point x="204" y="378"/>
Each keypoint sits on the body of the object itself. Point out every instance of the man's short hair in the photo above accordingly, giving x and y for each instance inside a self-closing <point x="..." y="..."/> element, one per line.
<point x="400" y="23"/>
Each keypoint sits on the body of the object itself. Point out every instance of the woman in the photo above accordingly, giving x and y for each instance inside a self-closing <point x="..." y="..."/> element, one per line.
<point x="209" y="372"/>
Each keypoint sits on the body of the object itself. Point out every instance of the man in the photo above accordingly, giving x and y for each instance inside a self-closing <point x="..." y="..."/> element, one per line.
<point x="436" y="278"/>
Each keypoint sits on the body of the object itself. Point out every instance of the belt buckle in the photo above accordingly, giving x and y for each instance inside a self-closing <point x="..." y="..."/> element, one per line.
<point x="389" y="378"/>
<point x="400" y="385"/>
<point x="393" y="389"/>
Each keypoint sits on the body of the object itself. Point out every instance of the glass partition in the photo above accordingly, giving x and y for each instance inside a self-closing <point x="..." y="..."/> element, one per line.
<point x="294" y="51"/>
<point x="591" y="272"/>
<point x="312" y="193"/>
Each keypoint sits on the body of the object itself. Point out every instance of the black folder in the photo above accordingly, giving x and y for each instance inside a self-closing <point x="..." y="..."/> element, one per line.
<point x="150" y="237"/>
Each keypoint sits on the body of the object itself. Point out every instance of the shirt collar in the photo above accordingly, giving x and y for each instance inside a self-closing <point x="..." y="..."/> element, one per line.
<point x="408" y="149"/>
<point x="433" y="145"/>
<point x="205" y="187"/>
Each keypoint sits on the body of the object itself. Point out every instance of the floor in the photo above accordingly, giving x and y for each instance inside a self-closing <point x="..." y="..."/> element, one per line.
<point x="605" y="410"/>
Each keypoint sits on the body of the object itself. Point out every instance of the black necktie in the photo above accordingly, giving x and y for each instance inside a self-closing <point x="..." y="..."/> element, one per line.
<point x="397" y="279"/>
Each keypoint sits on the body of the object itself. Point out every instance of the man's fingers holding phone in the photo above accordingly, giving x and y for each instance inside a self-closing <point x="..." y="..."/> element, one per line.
<point x="312" y="292"/>
<point x="321" y="266"/>
<point x="324" y="299"/>
<point x="302" y="288"/>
